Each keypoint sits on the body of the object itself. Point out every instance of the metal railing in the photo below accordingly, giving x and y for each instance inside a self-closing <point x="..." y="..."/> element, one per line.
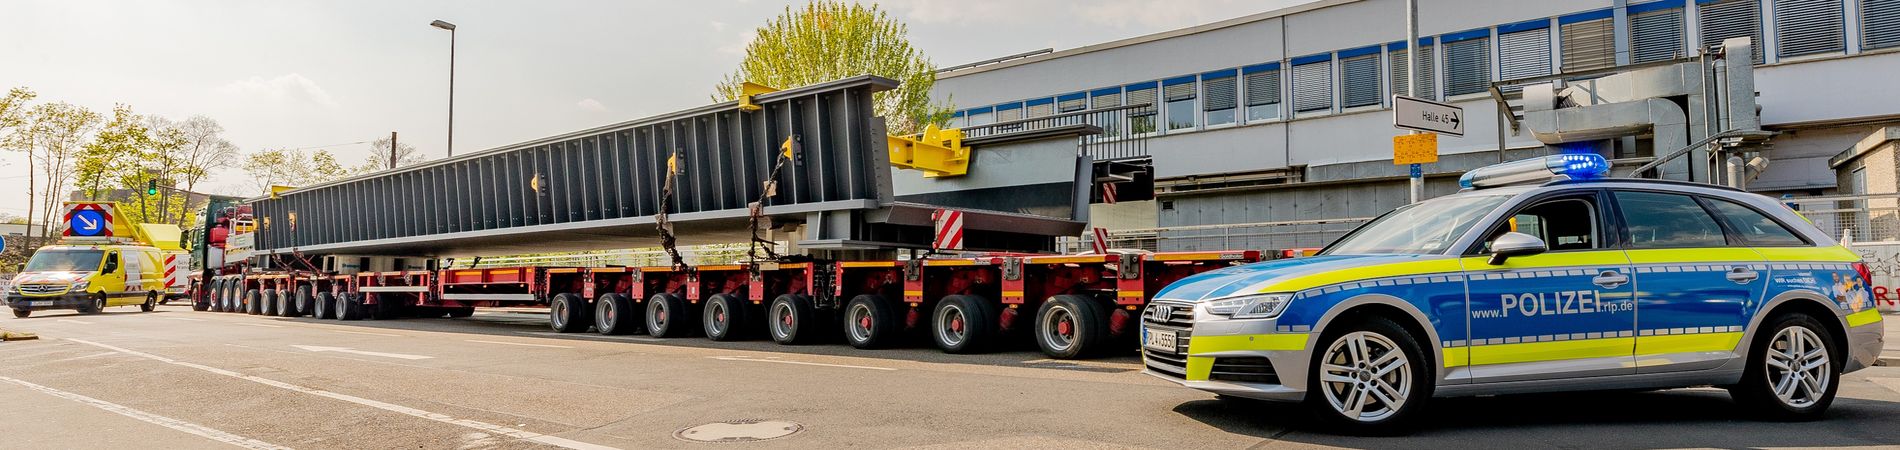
<point x="697" y="255"/>
<point x="1853" y="218"/>
<point x="1267" y="236"/>
<point x="1125" y="130"/>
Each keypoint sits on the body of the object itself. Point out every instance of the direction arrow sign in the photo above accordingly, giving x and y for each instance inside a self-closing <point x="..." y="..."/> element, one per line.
<point x="1428" y="116"/>
<point x="87" y="223"/>
<point x="314" y="348"/>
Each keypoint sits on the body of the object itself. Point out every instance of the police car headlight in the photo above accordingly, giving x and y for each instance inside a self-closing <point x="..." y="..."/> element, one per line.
<point x="1260" y="306"/>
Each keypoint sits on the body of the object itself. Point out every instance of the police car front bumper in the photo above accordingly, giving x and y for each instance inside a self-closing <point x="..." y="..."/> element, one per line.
<point x="73" y="300"/>
<point x="1254" y="359"/>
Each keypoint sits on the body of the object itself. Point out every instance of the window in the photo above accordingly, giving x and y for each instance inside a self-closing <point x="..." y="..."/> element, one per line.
<point x="1754" y="227"/>
<point x="1141" y="120"/>
<point x="1655" y="33"/>
<point x="1589" y="41"/>
<point x="1180" y="94"/>
<point x="1221" y="97"/>
<point x="1657" y="220"/>
<point x="1111" y="122"/>
<point x="981" y="117"/>
<point x="1426" y="73"/>
<point x="1263" y="92"/>
<point x="1808" y="27"/>
<point x="1879" y="23"/>
<point x="1468" y="65"/>
<point x="960" y="119"/>
<point x="1359" y="80"/>
<point x="1072" y="102"/>
<point x="1313" y="86"/>
<point x="1009" y="112"/>
<point x="1041" y="107"/>
<point x="1731" y="19"/>
<point x="1563" y="224"/>
<point x="1524" y="50"/>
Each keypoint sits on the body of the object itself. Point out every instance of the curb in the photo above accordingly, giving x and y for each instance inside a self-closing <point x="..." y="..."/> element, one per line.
<point x="1887" y="361"/>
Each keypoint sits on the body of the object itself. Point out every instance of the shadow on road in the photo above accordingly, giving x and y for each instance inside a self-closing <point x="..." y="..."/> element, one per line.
<point x="1659" y="419"/>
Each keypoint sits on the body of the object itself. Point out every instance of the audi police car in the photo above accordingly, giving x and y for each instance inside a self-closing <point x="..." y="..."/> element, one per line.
<point x="1539" y="276"/>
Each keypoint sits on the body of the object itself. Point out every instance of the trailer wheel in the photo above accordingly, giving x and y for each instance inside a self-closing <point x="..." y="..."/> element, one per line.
<point x="207" y="290"/>
<point x="963" y="324"/>
<point x="273" y="302"/>
<point x="668" y="316"/>
<point x="726" y="317"/>
<point x="214" y="296"/>
<point x="566" y="314"/>
<point x="788" y="316"/>
<point x="225" y="293"/>
<point x="871" y="321"/>
<point x="611" y="314"/>
<point x="253" y="302"/>
<point x="1071" y="326"/>
<point x="323" y="306"/>
<point x="349" y="306"/>
<point x="386" y="309"/>
<point x="304" y="304"/>
<point x="461" y="312"/>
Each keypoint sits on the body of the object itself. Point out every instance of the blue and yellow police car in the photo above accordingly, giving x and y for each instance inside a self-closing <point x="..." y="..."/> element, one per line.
<point x="1541" y="275"/>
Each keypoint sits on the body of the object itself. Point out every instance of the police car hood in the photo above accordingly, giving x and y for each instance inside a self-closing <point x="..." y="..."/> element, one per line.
<point x="1285" y="275"/>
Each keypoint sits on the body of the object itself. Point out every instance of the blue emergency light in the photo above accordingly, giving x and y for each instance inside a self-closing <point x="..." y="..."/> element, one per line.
<point x="1568" y="166"/>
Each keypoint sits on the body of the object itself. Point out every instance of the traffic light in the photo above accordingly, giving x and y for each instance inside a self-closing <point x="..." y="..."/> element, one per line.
<point x="151" y="187"/>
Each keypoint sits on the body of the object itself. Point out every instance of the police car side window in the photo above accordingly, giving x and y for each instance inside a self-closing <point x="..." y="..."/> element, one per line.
<point x="1657" y="220"/>
<point x="1753" y="226"/>
<point x="1564" y="224"/>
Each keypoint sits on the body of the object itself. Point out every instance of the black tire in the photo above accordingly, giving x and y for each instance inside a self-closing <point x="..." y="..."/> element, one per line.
<point x="567" y="313"/>
<point x="209" y="291"/>
<point x="254" y="302"/>
<point x="151" y="302"/>
<point x="791" y="320"/>
<point x="214" y="296"/>
<point x="386" y="308"/>
<point x="323" y="306"/>
<point x="225" y="292"/>
<point x="96" y="305"/>
<point x="272" y="300"/>
<point x="726" y="317"/>
<point x="1757" y="389"/>
<point x="1071" y="326"/>
<point x="350" y="306"/>
<point x="871" y="321"/>
<point x="22" y="313"/>
<point x="611" y="315"/>
<point x="963" y="324"/>
<point x="668" y="316"/>
<point x="304" y="302"/>
<point x="1414" y="374"/>
<point x="461" y="312"/>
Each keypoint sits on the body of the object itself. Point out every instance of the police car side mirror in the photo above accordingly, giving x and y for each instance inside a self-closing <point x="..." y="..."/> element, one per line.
<point x="1515" y="244"/>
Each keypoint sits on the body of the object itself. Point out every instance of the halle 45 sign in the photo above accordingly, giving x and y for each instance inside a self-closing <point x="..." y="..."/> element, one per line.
<point x="1427" y="116"/>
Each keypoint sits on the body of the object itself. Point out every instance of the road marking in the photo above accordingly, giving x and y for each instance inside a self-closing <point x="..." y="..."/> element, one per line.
<point x="186" y="319"/>
<point x="802" y="363"/>
<point x="81" y="322"/>
<point x="95" y="355"/>
<point x="399" y="409"/>
<point x="265" y="325"/>
<point x="167" y="422"/>
<point x="366" y="333"/>
<point x="315" y="348"/>
<point x="516" y="343"/>
<point x="585" y="336"/>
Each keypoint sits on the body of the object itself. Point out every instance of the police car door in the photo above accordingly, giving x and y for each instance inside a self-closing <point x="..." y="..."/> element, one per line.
<point x="1695" y="282"/>
<point x="1566" y="312"/>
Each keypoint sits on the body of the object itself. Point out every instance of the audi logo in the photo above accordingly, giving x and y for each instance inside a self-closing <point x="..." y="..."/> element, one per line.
<point x="1158" y="313"/>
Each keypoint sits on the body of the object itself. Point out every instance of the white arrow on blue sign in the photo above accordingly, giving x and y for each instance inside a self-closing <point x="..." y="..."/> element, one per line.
<point x="87" y="223"/>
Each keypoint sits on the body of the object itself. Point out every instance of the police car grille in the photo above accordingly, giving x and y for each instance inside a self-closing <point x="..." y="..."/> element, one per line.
<point x="1252" y="369"/>
<point x="1171" y="364"/>
<point x="42" y="289"/>
<point x="1182" y="317"/>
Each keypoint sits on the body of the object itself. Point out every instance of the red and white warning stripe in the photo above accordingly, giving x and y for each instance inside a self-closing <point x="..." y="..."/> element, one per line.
<point x="1108" y="193"/>
<point x="171" y="271"/>
<point x="1101" y="241"/>
<point x="949" y="229"/>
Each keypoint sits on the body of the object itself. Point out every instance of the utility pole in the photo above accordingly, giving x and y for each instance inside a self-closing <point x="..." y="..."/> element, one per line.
<point x="392" y="150"/>
<point x="1417" y="177"/>
<point x="451" y="29"/>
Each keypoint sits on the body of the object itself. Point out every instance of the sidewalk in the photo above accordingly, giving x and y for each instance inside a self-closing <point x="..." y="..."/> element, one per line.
<point x="1890" y="355"/>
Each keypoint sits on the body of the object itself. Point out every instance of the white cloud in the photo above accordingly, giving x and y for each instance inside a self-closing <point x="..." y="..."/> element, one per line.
<point x="591" y="105"/>
<point x="292" y="87"/>
<point x="718" y="27"/>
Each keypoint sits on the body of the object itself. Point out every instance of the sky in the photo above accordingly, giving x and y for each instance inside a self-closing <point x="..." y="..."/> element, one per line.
<point x="333" y="75"/>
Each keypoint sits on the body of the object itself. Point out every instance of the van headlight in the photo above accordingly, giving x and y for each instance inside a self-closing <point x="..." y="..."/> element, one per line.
<point x="1257" y="306"/>
<point x="80" y="285"/>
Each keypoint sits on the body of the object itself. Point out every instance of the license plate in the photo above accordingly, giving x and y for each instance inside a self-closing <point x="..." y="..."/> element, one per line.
<point x="1162" y="340"/>
<point x="40" y="303"/>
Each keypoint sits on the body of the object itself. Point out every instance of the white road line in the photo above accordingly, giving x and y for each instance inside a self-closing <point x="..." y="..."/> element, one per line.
<point x="167" y="422"/>
<point x="516" y="343"/>
<point x="95" y="355"/>
<point x="186" y="319"/>
<point x="802" y="363"/>
<point x="399" y="409"/>
<point x="365" y="333"/>
<point x="265" y="325"/>
<point x="586" y="336"/>
<point x="81" y="322"/>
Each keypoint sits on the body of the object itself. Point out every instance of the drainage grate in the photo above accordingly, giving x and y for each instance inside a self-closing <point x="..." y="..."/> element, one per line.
<point x="739" y="431"/>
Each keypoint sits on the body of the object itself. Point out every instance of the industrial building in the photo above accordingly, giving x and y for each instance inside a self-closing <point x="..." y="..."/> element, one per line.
<point x="1281" y="120"/>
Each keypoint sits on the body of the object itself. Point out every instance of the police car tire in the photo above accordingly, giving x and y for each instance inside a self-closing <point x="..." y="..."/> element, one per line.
<point x="791" y="320"/>
<point x="884" y="318"/>
<point x="1756" y="391"/>
<point x="22" y="313"/>
<point x="1401" y="422"/>
<point x="1088" y="329"/>
<point x="668" y="316"/>
<point x="323" y="306"/>
<point x="979" y="324"/>
<point x="565" y="313"/>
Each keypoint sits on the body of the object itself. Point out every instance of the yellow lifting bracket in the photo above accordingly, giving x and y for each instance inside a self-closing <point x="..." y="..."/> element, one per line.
<point x="936" y="152"/>
<point x="749" y="89"/>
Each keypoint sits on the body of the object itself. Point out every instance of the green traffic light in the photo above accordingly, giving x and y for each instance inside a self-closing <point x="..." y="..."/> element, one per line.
<point x="151" y="187"/>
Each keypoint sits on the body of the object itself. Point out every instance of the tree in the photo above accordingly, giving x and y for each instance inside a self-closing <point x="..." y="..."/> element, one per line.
<point x="56" y="135"/>
<point x="205" y="150"/>
<point x="826" y="41"/>
<point x="292" y="167"/>
<point x="17" y="136"/>
<point x="378" y="158"/>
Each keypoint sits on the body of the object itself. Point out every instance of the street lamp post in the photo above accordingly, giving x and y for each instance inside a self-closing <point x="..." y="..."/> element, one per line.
<point x="451" y="28"/>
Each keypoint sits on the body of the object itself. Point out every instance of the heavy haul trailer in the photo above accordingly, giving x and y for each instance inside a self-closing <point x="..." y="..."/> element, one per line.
<point x="810" y="167"/>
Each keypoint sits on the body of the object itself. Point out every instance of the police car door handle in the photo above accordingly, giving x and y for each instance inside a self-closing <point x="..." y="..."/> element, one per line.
<point x="1610" y="279"/>
<point x="1742" y="275"/>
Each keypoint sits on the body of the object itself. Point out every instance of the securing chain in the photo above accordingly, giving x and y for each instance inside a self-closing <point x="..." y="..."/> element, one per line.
<point x="667" y="240"/>
<point x="769" y="189"/>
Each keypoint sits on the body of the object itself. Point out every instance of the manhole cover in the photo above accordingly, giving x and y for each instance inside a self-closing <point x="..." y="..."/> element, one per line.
<point x="739" y="431"/>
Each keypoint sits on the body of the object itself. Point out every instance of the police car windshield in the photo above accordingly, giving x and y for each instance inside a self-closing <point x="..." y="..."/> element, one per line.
<point x="65" y="260"/>
<point x="1426" y="227"/>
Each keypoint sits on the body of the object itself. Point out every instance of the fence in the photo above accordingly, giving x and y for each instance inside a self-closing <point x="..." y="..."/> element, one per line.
<point x="1268" y="236"/>
<point x="1125" y="130"/>
<point x="1853" y="218"/>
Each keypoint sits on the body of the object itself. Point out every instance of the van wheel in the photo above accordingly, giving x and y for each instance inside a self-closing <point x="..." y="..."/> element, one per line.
<point x="963" y="324"/>
<point x="151" y="302"/>
<point x="1371" y="378"/>
<point x="789" y="315"/>
<point x="323" y="306"/>
<point x="1792" y="372"/>
<point x="22" y="313"/>
<point x="568" y="313"/>
<point x="614" y="315"/>
<point x="668" y="316"/>
<point x="97" y="305"/>
<point x="871" y="321"/>
<point x="1071" y="326"/>
<point x="725" y="317"/>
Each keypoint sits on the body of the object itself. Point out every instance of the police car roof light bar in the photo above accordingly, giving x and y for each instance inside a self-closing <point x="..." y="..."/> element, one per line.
<point x="1568" y="166"/>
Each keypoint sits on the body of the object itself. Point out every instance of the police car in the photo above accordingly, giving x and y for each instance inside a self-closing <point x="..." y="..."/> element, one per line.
<point x="1539" y="276"/>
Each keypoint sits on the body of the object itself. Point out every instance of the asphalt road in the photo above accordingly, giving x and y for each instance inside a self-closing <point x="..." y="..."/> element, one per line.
<point x="181" y="379"/>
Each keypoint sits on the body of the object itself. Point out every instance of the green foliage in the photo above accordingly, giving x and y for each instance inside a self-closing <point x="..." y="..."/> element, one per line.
<point x="293" y="167"/>
<point x="826" y="41"/>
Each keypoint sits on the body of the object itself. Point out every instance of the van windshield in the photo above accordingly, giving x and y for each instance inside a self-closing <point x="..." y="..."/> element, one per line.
<point x="1426" y="227"/>
<point x="65" y="260"/>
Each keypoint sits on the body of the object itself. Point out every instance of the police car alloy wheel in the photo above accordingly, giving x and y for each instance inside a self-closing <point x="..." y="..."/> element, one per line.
<point x="1368" y="379"/>
<point x="1797" y="366"/>
<point x="1793" y="372"/>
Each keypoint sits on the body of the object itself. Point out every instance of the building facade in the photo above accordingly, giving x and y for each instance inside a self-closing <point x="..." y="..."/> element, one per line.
<point x="1284" y="116"/>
